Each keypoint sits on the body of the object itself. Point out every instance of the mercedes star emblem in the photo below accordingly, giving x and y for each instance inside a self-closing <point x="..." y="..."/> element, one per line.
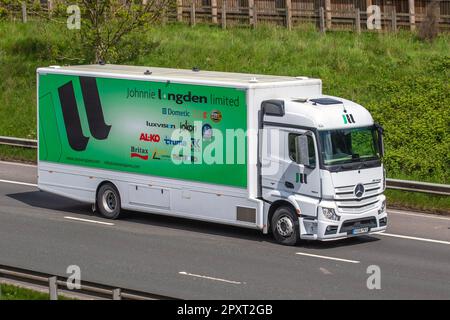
<point x="359" y="190"/>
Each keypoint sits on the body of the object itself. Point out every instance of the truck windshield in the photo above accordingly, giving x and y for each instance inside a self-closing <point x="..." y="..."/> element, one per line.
<point x="349" y="145"/>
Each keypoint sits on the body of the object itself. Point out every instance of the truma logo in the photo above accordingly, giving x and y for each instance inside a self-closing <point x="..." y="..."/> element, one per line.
<point x="97" y="126"/>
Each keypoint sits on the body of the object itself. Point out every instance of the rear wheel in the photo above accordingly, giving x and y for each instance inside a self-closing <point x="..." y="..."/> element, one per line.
<point x="285" y="226"/>
<point x="108" y="201"/>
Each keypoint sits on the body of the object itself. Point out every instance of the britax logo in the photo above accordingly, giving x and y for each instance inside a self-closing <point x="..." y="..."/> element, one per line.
<point x="148" y="137"/>
<point x="138" y="152"/>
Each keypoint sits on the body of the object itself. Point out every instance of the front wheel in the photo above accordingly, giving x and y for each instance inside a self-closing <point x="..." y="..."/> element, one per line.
<point x="108" y="201"/>
<point x="285" y="226"/>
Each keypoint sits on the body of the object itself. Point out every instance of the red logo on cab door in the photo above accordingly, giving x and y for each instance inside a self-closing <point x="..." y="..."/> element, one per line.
<point x="150" y="137"/>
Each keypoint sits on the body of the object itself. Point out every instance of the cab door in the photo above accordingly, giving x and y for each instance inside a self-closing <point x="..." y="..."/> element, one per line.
<point x="302" y="179"/>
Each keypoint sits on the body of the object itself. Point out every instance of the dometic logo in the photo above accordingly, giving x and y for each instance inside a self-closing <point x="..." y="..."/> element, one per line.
<point x="93" y="107"/>
<point x="160" y="125"/>
<point x="138" y="152"/>
<point x="150" y="137"/>
<point x="171" y="112"/>
<point x="359" y="190"/>
<point x="348" y="118"/>
<point x="216" y="116"/>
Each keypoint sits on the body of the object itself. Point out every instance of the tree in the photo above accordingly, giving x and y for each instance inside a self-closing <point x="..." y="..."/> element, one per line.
<point x="105" y="23"/>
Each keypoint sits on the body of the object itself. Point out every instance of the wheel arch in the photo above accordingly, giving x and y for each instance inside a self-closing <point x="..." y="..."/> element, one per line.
<point x="274" y="206"/>
<point x="98" y="188"/>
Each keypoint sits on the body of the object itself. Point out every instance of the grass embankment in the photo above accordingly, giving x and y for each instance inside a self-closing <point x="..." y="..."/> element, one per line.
<point x="401" y="80"/>
<point x="10" y="292"/>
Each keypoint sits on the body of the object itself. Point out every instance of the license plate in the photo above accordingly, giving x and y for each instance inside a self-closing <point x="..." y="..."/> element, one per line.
<point x="360" y="230"/>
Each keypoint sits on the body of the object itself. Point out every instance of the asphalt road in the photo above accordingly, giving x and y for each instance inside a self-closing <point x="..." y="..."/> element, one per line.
<point x="190" y="259"/>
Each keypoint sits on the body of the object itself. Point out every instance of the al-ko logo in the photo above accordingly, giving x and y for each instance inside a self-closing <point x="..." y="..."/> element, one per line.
<point x="149" y="137"/>
<point x="138" y="152"/>
<point x="348" y="118"/>
<point x="97" y="126"/>
<point x="171" y="112"/>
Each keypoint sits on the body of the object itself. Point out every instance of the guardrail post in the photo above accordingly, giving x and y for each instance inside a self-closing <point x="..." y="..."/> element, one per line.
<point x="214" y="11"/>
<point x="394" y="20"/>
<point x="179" y="10"/>
<point x="53" y="288"/>
<point x="412" y="15"/>
<point x="328" y="13"/>
<point x="358" y="21"/>
<point x="252" y="13"/>
<point x="289" y="14"/>
<point x="321" y="20"/>
<point x="117" y="294"/>
<point x="24" y="12"/>
<point x="193" y="13"/>
<point x="50" y="7"/>
<point x="224" y="14"/>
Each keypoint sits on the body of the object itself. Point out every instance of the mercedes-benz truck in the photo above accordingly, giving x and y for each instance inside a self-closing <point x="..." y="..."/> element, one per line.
<point x="265" y="152"/>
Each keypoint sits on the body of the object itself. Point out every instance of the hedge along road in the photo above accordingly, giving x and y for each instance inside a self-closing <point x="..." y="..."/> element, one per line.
<point x="190" y="259"/>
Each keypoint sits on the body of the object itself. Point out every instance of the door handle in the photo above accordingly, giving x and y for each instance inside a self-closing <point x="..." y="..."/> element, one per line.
<point x="289" y="185"/>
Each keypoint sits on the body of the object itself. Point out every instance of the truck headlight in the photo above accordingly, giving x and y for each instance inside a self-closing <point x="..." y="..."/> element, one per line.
<point x="383" y="206"/>
<point x="330" y="214"/>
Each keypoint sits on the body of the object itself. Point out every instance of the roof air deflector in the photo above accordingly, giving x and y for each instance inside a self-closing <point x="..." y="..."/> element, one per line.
<point x="325" y="101"/>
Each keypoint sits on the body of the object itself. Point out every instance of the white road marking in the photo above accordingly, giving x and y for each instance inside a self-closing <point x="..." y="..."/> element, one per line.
<point x="19" y="182"/>
<point x="326" y="257"/>
<point x="430" y="216"/>
<point x="18" y="164"/>
<point x="324" y="271"/>
<point x="412" y="238"/>
<point x="209" y="278"/>
<point x="91" y="221"/>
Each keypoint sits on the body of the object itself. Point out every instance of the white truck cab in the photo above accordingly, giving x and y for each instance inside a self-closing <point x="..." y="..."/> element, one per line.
<point x="308" y="166"/>
<point x="330" y="169"/>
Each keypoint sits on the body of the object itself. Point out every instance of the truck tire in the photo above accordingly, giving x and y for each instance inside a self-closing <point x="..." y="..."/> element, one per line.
<point x="285" y="226"/>
<point x="108" y="201"/>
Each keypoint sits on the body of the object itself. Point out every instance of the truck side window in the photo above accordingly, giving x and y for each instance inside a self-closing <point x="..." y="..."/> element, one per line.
<point x="312" y="154"/>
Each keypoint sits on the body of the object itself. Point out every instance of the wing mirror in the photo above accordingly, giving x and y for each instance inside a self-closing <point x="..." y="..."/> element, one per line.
<point x="380" y="138"/>
<point x="302" y="150"/>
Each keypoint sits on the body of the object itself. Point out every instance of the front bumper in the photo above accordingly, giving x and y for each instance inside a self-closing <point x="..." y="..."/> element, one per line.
<point x="324" y="229"/>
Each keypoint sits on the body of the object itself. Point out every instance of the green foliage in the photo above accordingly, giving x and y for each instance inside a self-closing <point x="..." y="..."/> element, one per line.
<point x="3" y="13"/>
<point x="418" y="201"/>
<point x="10" y="292"/>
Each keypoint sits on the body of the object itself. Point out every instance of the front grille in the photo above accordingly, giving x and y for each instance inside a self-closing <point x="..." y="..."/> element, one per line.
<point x="347" y="192"/>
<point x="349" y="225"/>
<point x="347" y="202"/>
